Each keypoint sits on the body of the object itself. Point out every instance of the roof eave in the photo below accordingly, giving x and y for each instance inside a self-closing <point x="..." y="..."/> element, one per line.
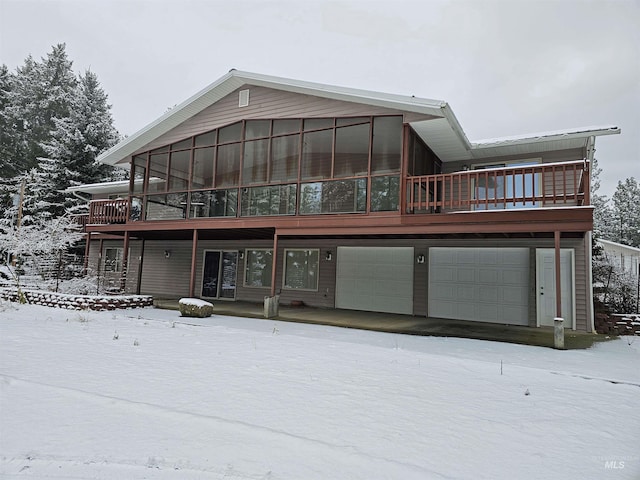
<point x="235" y="79"/>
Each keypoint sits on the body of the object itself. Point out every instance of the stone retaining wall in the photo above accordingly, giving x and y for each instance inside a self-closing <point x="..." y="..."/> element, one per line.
<point x="78" y="302"/>
<point x="618" y="324"/>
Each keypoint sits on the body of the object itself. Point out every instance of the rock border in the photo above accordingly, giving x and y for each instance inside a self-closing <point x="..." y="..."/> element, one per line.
<point x="78" y="302"/>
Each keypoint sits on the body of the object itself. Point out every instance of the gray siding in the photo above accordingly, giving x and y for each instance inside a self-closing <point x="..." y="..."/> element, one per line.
<point x="169" y="277"/>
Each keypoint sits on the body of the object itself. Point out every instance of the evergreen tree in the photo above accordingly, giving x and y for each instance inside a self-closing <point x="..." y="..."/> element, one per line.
<point x="40" y="93"/>
<point x="8" y="138"/>
<point x="626" y="213"/>
<point x="77" y="140"/>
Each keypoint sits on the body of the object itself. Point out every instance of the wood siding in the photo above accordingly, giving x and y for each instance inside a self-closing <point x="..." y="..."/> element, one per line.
<point x="266" y="103"/>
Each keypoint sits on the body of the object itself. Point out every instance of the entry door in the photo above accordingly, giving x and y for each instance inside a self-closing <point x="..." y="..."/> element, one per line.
<point x="219" y="274"/>
<point x="546" y="286"/>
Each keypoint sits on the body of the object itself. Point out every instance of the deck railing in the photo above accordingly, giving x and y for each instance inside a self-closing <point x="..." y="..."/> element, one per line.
<point x="525" y="186"/>
<point x="81" y="219"/>
<point x="103" y="212"/>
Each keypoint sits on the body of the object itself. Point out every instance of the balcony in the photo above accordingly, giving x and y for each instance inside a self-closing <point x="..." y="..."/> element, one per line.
<point x="106" y="212"/>
<point x="528" y="186"/>
<point x="547" y="185"/>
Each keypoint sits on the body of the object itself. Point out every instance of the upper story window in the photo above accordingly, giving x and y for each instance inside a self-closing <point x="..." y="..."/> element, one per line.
<point x="292" y="154"/>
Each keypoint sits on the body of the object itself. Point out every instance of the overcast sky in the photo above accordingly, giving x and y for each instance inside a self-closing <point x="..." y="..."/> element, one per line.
<point x="505" y="67"/>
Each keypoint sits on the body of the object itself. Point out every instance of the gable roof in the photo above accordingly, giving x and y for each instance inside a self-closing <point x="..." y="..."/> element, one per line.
<point x="443" y="134"/>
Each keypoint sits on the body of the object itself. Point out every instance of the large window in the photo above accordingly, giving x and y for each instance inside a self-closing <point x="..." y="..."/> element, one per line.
<point x="258" y="267"/>
<point x="214" y="203"/>
<point x="276" y="167"/>
<point x="338" y="196"/>
<point x="301" y="269"/>
<point x="273" y="200"/>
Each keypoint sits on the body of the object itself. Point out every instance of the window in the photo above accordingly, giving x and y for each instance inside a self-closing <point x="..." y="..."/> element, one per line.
<point x="257" y="268"/>
<point x="301" y="269"/>
<point x="498" y="190"/>
<point x="113" y="259"/>
<point x="338" y="196"/>
<point x="385" y="194"/>
<point x="214" y="203"/>
<point x="274" y="200"/>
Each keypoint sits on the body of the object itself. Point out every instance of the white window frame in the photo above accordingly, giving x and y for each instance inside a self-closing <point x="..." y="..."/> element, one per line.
<point x="246" y="267"/>
<point x="284" y="269"/>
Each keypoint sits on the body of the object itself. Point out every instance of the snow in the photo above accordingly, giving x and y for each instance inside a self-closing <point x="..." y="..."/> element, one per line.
<point x="539" y="136"/>
<point x="237" y="398"/>
<point x="196" y="302"/>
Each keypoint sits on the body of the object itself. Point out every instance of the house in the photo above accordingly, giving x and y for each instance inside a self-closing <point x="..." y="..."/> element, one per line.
<point x="625" y="257"/>
<point x="347" y="199"/>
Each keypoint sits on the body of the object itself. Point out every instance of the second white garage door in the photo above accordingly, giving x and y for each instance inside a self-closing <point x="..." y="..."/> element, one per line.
<point x="375" y="279"/>
<point x="481" y="284"/>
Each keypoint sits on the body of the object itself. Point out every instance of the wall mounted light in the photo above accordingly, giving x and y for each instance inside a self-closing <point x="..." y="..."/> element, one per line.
<point x="167" y="253"/>
<point x="241" y="254"/>
<point x="420" y="258"/>
<point x="328" y="256"/>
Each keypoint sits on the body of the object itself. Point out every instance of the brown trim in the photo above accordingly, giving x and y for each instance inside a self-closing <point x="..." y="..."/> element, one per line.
<point x="194" y="254"/>
<point x="274" y="264"/>
<point x="139" y="279"/>
<point x="125" y="258"/>
<point x="556" y="238"/>
<point x="87" y="249"/>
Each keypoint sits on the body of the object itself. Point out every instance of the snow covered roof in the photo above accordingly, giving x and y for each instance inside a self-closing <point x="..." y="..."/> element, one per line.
<point x="442" y="132"/>
<point x="620" y="246"/>
<point x="98" y="188"/>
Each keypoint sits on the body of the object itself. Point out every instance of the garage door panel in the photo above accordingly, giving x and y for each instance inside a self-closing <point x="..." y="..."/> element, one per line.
<point x="481" y="284"/>
<point x="378" y="279"/>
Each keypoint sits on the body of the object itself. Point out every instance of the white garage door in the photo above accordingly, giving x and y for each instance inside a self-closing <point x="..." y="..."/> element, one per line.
<point x="375" y="279"/>
<point x="481" y="284"/>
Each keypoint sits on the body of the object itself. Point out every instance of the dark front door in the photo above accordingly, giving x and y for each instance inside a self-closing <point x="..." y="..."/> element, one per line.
<point x="219" y="274"/>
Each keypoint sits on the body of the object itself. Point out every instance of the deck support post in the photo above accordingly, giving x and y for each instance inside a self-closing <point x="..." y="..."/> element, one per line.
<point x="194" y="251"/>
<point x="125" y="258"/>
<point x="87" y="249"/>
<point x="272" y="302"/>
<point x="556" y="236"/>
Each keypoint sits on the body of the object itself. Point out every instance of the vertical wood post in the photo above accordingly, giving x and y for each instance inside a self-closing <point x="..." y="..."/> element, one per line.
<point x="139" y="280"/>
<point x="87" y="250"/>
<point x="125" y="261"/>
<point x="194" y="256"/>
<point x="274" y="264"/>
<point x="556" y="237"/>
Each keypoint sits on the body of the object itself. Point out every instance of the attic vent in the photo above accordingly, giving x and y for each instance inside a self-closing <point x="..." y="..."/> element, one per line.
<point x="243" y="98"/>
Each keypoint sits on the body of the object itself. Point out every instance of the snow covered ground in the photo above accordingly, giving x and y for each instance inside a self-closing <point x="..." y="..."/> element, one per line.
<point x="146" y="394"/>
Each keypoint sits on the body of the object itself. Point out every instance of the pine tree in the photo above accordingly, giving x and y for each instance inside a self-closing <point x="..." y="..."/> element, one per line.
<point x="626" y="213"/>
<point x="77" y="140"/>
<point x="40" y="93"/>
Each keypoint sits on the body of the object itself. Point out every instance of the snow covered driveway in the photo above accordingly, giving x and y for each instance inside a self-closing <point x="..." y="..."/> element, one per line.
<point x="144" y="394"/>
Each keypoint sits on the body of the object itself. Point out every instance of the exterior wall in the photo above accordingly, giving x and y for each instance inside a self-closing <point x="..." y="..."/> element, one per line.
<point x="169" y="277"/>
<point x="266" y="103"/>
<point x="95" y="265"/>
<point x="623" y="256"/>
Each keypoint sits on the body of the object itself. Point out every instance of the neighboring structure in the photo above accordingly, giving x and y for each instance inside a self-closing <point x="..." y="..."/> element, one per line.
<point x="623" y="256"/>
<point x="349" y="199"/>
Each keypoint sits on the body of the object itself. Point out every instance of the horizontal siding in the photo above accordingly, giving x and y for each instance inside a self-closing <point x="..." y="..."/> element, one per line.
<point x="166" y="277"/>
<point x="169" y="277"/>
<point x="265" y="103"/>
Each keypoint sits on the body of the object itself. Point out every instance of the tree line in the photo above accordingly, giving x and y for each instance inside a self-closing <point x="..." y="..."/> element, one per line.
<point x="53" y="125"/>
